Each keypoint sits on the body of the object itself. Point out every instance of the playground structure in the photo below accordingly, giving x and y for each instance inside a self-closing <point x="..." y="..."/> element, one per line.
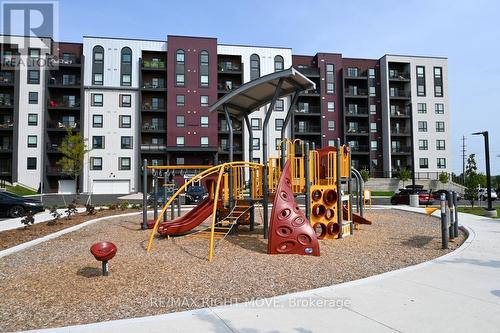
<point x="324" y="176"/>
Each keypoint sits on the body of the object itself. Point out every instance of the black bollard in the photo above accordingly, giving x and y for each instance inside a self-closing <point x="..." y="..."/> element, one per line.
<point x="455" y="203"/>
<point x="451" y="216"/>
<point x="444" y="222"/>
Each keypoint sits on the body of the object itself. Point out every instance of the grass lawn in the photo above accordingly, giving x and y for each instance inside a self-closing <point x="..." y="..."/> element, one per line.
<point x="19" y="190"/>
<point x="382" y="193"/>
<point x="476" y="211"/>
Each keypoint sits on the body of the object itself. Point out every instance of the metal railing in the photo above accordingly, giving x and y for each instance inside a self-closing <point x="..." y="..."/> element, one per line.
<point x="53" y="81"/>
<point x="359" y="129"/>
<point x="6" y="124"/>
<point x="57" y="103"/>
<point x="62" y="124"/>
<point x="153" y="64"/>
<point x="401" y="113"/>
<point x="229" y="67"/>
<point x="153" y="127"/>
<point x="401" y="150"/>
<point x="400" y="76"/>
<point x="149" y="106"/>
<point x="400" y="93"/>
<point x="5" y="147"/>
<point x="226" y="148"/>
<point x="358" y="111"/>
<point x="155" y="147"/>
<point x="400" y="130"/>
<point x="356" y="92"/>
<point x="151" y="85"/>
<point x="227" y="87"/>
<point x="354" y="74"/>
<point x="6" y="77"/>
<point x="308" y="128"/>
<point x="67" y="60"/>
<point x="309" y="71"/>
<point x="311" y="109"/>
<point x="360" y="148"/>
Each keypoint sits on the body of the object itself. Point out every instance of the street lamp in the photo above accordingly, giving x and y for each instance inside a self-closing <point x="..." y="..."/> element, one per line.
<point x="490" y="212"/>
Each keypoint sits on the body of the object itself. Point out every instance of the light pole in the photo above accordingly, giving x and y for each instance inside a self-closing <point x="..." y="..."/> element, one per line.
<point x="490" y="212"/>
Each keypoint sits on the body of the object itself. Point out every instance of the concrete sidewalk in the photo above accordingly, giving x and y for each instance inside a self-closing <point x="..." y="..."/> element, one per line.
<point x="44" y="216"/>
<point x="459" y="292"/>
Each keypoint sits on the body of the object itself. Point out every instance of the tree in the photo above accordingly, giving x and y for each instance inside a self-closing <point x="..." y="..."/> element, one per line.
<point x="365" y="174"/>
<point x="472" y="179"/>
<point x="404" y="175"/>
<point x="444" y="178"/>
<point x="74" y="148"/>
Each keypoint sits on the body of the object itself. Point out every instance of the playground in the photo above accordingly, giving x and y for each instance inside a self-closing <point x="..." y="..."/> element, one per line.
<point x="59" y="283"/>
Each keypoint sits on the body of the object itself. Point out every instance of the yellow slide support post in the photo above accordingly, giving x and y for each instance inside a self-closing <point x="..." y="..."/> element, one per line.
<point x="214" y="214"/>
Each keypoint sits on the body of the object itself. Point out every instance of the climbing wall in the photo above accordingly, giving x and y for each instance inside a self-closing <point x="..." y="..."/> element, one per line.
<point x="324" y="219"/>
<point x="289" y="230"/>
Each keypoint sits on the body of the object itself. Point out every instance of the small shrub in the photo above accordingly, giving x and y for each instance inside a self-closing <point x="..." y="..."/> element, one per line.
<point x="55" y="216"/>
<point x="123" y="205"/>
<point x="28" y="220"/>
<point x="90" y="209"/>
<point x="136" y="206"/>
<point x="71" y="210"/>
<point x="112" y="206"/>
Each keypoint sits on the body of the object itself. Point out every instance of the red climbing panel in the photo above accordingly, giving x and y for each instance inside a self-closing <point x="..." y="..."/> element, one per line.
<point x="289" y="230"/>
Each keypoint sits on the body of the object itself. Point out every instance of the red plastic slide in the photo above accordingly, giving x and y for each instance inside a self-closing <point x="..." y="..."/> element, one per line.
<point x="188" y="221"/>
<point x="356" y="218"/>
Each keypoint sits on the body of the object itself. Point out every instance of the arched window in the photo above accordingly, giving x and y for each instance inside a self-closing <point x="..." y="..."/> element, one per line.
<point x="126" y="67"/>
<point x="279" y="63"/>
<point x="180" y="68"/>
<point x="204" y="68"/>
<point x="254" y="67"/>
<point x="98" y="65"/>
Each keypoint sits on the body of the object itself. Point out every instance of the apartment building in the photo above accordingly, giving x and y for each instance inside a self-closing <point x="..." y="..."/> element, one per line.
<point x="148" y="99"/>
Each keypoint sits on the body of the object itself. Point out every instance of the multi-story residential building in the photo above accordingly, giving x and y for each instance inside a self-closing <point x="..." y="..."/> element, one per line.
<point x="143" y="99"/>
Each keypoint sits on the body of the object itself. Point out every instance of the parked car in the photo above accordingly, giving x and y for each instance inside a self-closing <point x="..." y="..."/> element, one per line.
<point x="13" y="205"/>
<point x="159" y="199"/>
<point x="195" y="194"/>
<point x="437" y="195"/>
<point x="482" y="194"/>
<point x="402" y="196"/>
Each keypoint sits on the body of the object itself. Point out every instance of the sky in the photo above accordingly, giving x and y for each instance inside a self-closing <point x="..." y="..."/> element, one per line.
<point x="466" y="32"/>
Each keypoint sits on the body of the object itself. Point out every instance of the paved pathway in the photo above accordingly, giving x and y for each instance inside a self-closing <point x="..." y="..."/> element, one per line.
<point x="459" y="292"/>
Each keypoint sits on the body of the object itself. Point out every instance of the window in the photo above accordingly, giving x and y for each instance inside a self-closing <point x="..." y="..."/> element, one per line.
<point x="423" y="163"/>
<point x="279" y="63"/>
<point x="179" y="141"/>
<point x="180" y="68"/>
<point x="32" y="119"/>
<point x="97" y="99"/>
<point x="303" y="107"/>
<point x="33" y="76"/>
<point x="126" y="67"/>
<point x="33" y="97"/>
<point x="421" y="108"/>
<point x="373" y="109"/>
<point x="438" y="82"/>
<point x="440" y="145"/>
<point x="98" y="65"/>
<point x="179" y="121"/>
<point x="373" y="145"/>
<point x="203" y="100"/>
<point x="179" y="100"/>
<point x="256" y="123"/>
<point x="204" y="68"/>
<point x="330" y="79"/>
<point x="125" y="121"/>
<point x="256" y="160"/>
<point x="423" y="144"/>
<point x="31" y="163"/>
<point x="439" y="107"/>
<point x="179" y="161"/>
<point x="278" y="124"/>
<point x="371" y="91"/>
<point x="277" y="143"/>
<point x="125" y="101"/>
<point x="34" y="54"/>
<point x="422" y="126"/>
<point x="279" y="106"/>
<point x="441" y="163"/>
<point x="32" y="141"/>
<point x="126" y="142"/>
<point x="157" y="103"/>
<point x="331" y="143"/>
<point x="371" y="73"/>
<point x="204" y="141"/>
<point x="256" y="143"/>
<point x="373" y="127"/>
<point x="254" y="67"/>
<point x="97" y="121"/>
<point x="439" y="126"/>
<point x="124" y="163"/>
<point x="331" y="125"/>
<point x="97" y="142"/>
<point x="204" y="121"/>
<point x="331" y="106"/>
<point x="420" y="81"/>
<point x="352" y="72"/>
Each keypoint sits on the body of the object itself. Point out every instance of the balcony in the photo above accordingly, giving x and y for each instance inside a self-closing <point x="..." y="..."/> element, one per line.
<point x="309" y="110"/>
<point x="153" y="128"/>
<point x="153" y="107"/>
<point x="401" y="113"/>
<point x="355" y="74"/>
<point x="53" y="148"/>
<point x="153" y="148"/>
<point x="223" y="128"/>
<point x="355" y="92"/>
<point x="224" y="148"/>
<point x="308" y="128"/>
<point x="229" y="68"/>
<point x="6" y="101"/>
<point x="400" y="131"/>
<point x="154" y="86"/>
<point x="70" y="60"/>
<point x="399" y="76"/>
<point x="153" y="65"/>
<point x="6" y="124"/>
<point x="65" y="84"/>
<point x="401" y="150"/>
<point x="6" y="79"/>
<point x="314" y="92"/>
<point x="355" y="130"/>
<point x="224" y="88"/>
<point x="401" y="94"/>
<point x="360" y="149"/>
<point x="54" y="170"/>
<point x="308" y="71"/>
<point x="64" y="104"/>
<point x="360" y="111"/>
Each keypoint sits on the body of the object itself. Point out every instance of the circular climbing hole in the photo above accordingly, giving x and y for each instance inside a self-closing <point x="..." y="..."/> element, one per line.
<point x="286" y="246"/>
<point x="318" y="210"/>
<point x="285" y="213"/>
<point x="284" y="195"/>
<point x="284" y="231"/>
<point x="330" y="213"/>
<point x="320" y="230"/>
<point x="304" y="239"/>
<point x="298" y="221"/>
<point x="333" y="228"/>
<point x="316" y="195"/>
<point x="330" y="197"/>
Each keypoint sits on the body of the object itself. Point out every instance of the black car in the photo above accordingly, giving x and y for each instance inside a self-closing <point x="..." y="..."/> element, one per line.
<point x="14" y="206"/>
<point x="195" y="194"/>
<point x="437" y="194"/>
<point x="159" y="199"/>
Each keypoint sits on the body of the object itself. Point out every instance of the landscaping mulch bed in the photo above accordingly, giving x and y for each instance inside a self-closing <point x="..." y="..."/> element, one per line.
<point x="58" y="283"/>
<point x="13" y="237"/>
